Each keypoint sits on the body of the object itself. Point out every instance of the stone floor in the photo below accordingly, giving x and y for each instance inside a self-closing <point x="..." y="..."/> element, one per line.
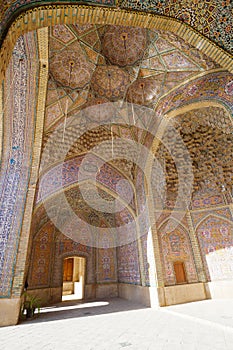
<point x="120" y="324"/>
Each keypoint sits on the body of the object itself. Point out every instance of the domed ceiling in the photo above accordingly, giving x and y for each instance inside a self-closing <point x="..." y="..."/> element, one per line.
<point x="92" y="65"/>
<point x="115" y="62"/>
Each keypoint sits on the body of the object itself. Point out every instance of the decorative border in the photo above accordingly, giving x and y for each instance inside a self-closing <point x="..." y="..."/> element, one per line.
<point x="1" y="118"/>
<point x="49" y="15"/>
<point x="20" y="238"/>
<point x="42" y="37"/>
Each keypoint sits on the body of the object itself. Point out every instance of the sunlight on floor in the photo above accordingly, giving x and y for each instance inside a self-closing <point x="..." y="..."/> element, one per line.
<point x="73" y="307"/>
<point x="71" y="297"/>
<point x="117" y="323"/>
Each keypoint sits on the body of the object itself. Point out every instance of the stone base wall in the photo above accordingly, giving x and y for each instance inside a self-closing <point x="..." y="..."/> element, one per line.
<point x="10" y="310"/>
<point x="184" y="293"/>
<point x="135" y="293"/>
<point x="50" y="296"/>
<point x="146" y="296"/>
<point x="47" y="295"/>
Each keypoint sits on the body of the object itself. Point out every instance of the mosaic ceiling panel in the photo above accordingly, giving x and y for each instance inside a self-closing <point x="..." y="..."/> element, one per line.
<point x="211" y="18"/>
<point x="93" y="64"/>
<point x="124" y="47"/>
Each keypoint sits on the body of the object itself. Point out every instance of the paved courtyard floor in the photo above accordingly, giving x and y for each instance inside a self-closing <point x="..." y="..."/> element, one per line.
<point x="119" y="324"/>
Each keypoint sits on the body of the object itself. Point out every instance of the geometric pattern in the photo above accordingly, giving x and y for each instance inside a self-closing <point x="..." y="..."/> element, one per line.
<point x="48" y="245"/>
<point x="128" y="264"/>
<point x="51" y="181"/>
<point x="41" y="257"/>
<point x="207" y="136"/>
<point x="212" y="19"/>
<point x="107" y="260"/>
<point x="118" y="40"/>
<point x="216" y="86"/>
<point x="86" y="73"/>
<point x="149" y="74"/>
<point x="74" y="60"/>
<point x="176" y="246"/>
<point x="151" y="68"/>
<point x="19" y="127"/>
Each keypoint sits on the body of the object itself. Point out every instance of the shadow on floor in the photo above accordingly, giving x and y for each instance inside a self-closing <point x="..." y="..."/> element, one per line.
<point x="77" y="308"/>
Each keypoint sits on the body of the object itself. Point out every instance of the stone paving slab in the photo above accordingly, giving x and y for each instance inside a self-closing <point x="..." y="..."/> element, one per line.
<point x="119" y="324"/>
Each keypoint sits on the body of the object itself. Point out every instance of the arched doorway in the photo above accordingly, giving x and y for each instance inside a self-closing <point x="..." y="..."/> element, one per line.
<point x="73" y="278"/>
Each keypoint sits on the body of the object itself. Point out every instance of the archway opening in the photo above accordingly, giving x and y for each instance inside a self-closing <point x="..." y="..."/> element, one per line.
<point x="73" y="278"/>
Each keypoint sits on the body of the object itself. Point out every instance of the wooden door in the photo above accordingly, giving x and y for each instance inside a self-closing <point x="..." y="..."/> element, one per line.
<point x="68" y="270"/>
<point x="180" y="272"/>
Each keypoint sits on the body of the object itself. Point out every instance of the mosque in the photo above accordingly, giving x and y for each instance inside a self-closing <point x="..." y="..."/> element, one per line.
<point x="116" y="151"/>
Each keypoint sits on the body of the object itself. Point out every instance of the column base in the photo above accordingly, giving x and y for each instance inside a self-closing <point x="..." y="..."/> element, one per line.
<point x="10" y="310"/>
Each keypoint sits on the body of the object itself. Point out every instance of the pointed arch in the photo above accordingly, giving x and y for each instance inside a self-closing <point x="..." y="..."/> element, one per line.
<point x="215" y="216"/>
<point x="175" y="247"/>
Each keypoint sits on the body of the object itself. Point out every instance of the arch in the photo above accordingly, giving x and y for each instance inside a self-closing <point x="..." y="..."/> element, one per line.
<point x="176" y="246"/>
<point x="72" y="181"/>
<point x="170" y="109"/>
<point x="212" y="215"/>
<point x="64" y="248"/>
<point x="212" y="88"/>
<point x="40" y="17"/>
<point x="174" y="219"/>
<point x="69" y="223"/>
<point x="82" y="154"/>
<point x="198" y="105"/>
<point x="43" y="16"/>
<point x="74" y="277"/>
<point x="131" y="208"/>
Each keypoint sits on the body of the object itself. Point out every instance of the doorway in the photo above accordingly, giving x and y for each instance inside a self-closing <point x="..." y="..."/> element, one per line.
<point x="73" y="278"/>
<point x="180" y="272"/>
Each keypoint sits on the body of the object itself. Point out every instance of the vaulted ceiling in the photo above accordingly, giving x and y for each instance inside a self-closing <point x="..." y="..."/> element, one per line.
<point x="94" y="70"/>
